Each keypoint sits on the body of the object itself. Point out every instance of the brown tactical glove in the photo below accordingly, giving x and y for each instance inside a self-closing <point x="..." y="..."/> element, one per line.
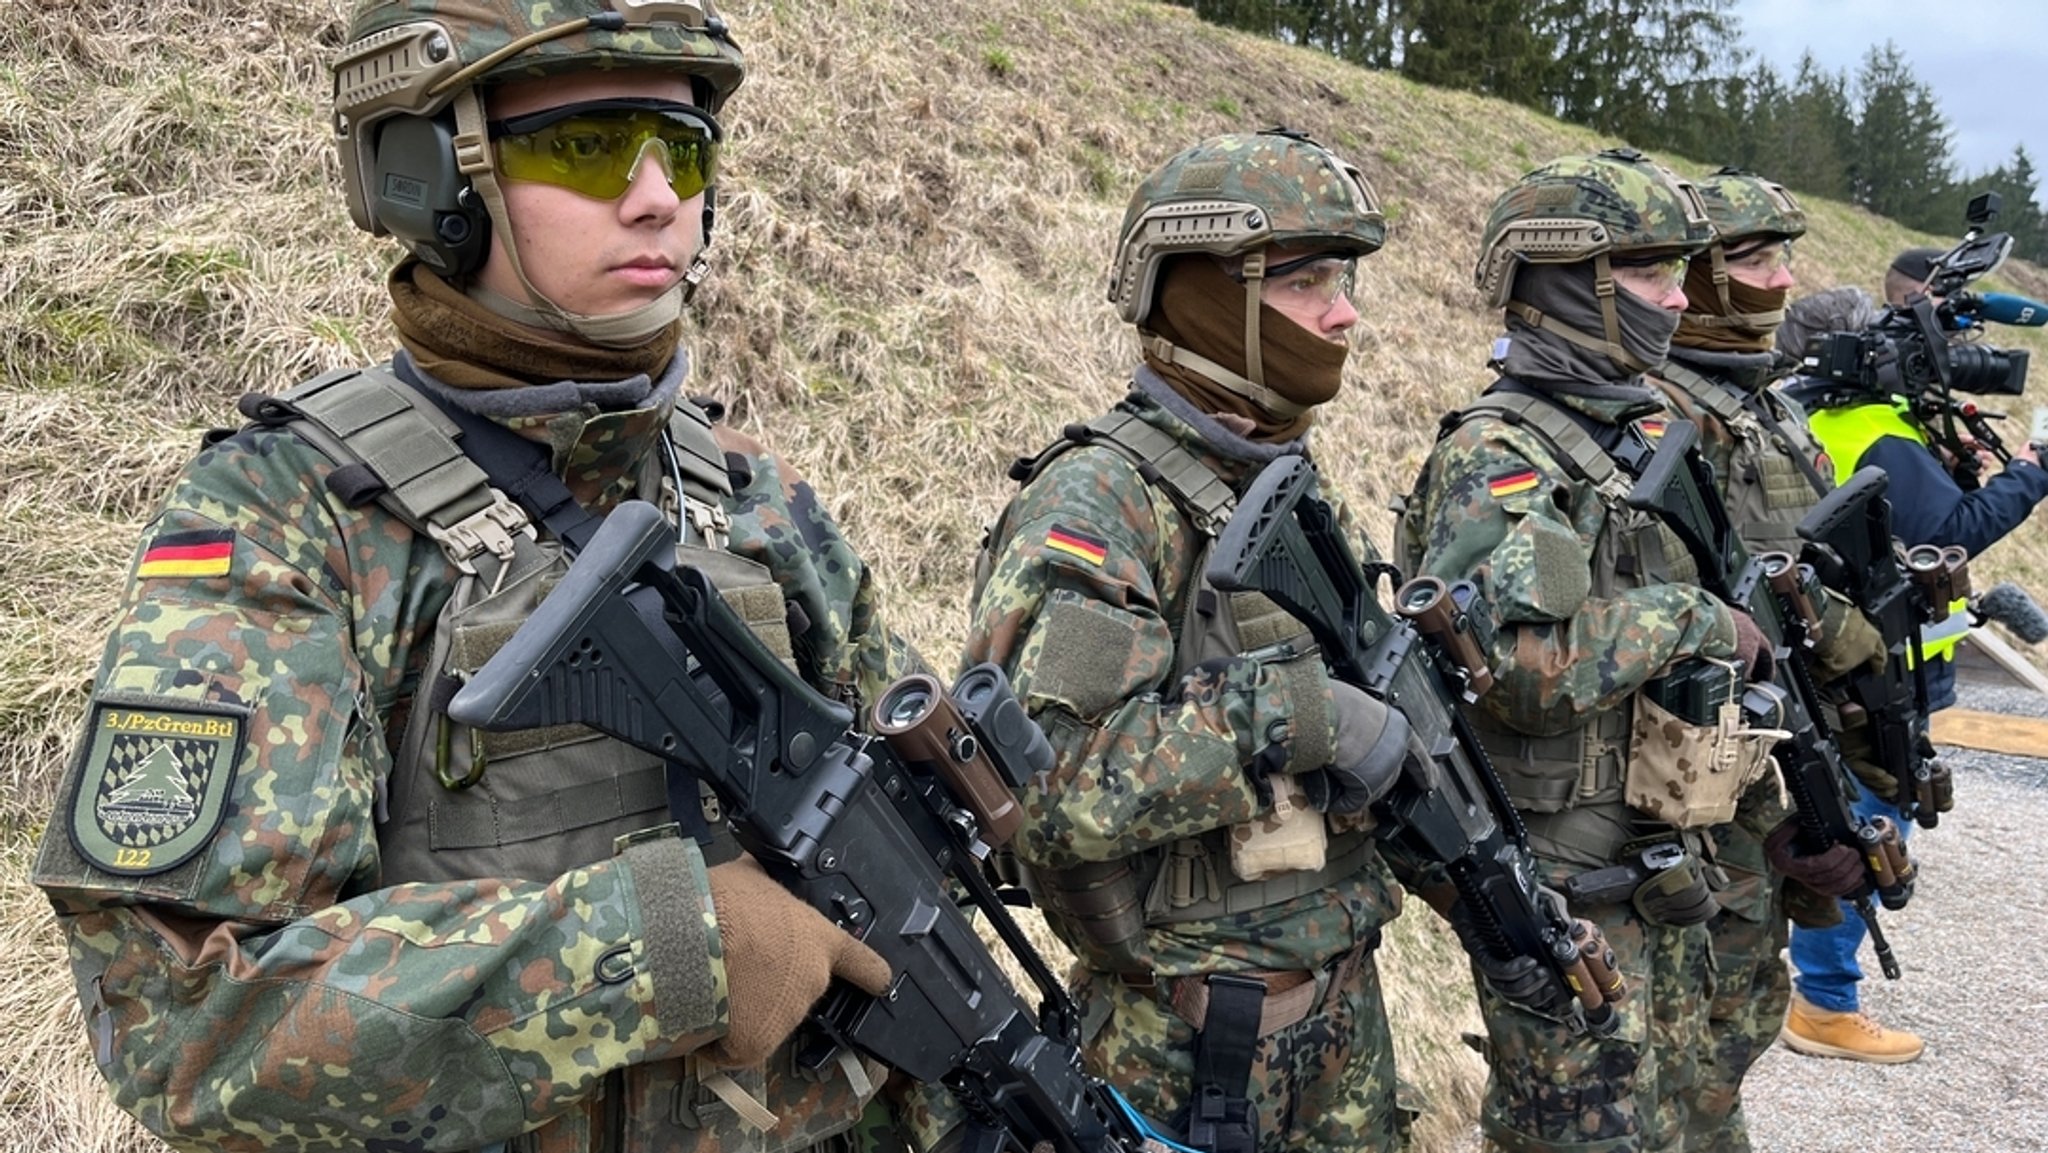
<point x="1752" y="648"/>
<point x="1847" y="641"/>
<point x="1808" y="909"/>
<point x="1836" y="871"/>
<point x="780" y="954"/>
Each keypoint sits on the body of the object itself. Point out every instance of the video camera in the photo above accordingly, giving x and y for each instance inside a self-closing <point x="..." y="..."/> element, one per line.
<point x="1911" y="348"/>
<point x="1922" y="351"/>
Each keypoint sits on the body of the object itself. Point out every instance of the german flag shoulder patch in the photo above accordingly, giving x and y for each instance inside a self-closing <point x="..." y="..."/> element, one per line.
<point x="1080" y="545"/>
<point x="196" y="554"/>
<point x="1512" y="482"/>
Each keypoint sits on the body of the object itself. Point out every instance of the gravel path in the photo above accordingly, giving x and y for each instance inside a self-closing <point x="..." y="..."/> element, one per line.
<point x="1974" y="946"/>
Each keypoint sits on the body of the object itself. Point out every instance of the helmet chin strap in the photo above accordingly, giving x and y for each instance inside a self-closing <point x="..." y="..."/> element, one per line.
<point x="1168" y="352"/>
<point x="1254" y="279"/>
<point x="625" y="330"/>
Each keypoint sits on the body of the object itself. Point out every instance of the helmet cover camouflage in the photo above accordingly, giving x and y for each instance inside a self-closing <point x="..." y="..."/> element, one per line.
<point x="1742" y="205"/>
<point x="1235" y="194"/>
<point x="412" y="58"/>
<point x="1580" y="207"/>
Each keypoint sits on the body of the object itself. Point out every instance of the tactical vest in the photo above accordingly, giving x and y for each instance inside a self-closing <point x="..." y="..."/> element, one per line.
<point x="461" y="803"/>
<point x="1766" y="491"/>
<point x="1849" y="432"/>
<point x="1569" y="786"/>
<point x="1103" y="909"/>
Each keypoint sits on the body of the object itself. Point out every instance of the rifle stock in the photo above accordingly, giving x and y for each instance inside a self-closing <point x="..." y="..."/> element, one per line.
<point x="1451" y="809"/>
<point x="632" y="646"/>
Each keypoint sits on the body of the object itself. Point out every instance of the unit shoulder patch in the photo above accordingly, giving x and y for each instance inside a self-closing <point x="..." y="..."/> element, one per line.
<point x="153" y="783"/>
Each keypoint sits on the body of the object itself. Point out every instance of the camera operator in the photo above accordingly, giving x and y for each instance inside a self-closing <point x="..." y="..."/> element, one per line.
<point x="1929" y="506"/>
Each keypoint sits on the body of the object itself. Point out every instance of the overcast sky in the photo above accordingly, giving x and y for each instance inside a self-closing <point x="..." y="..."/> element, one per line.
<point x="1984" y="59"/>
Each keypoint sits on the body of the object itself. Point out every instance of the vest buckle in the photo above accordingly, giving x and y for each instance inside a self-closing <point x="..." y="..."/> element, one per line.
<point x="712" y="523"/>
<point x="491" y="529"/>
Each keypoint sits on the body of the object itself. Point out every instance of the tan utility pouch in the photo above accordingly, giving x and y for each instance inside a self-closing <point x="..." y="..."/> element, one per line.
<point x="1691" y="776"/>
<point x="1290" y="839"/>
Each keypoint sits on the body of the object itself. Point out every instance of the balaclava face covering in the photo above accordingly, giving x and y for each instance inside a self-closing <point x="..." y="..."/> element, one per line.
<point x="1545" y="353"/>
<point x="1728" y="316"/>
<point x="1201" y="309"/>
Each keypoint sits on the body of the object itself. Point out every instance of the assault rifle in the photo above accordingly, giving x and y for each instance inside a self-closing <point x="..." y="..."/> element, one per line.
<point x="1678" y="486"/>
<point x="876" y="834"/>
<point x="1849" y="535"/>
<point x="1450" y="809"/>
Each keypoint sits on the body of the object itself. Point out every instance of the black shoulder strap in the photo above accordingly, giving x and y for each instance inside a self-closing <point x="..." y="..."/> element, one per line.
<point x="520" y="468"/>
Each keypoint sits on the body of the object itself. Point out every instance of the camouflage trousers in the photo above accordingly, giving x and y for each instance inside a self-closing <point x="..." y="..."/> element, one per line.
<point x="1320" y="1085"/>
<point x="1550" y="1092"/>
<point x="1753" y="987"/>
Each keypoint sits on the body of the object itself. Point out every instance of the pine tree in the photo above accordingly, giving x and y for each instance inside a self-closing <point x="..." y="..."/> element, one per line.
<point x="1900" y="167"/>
<point x="1488" y="46"/>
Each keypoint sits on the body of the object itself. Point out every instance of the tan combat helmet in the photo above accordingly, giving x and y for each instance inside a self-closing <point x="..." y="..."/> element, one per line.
<point x="1744" y="209"/>
<point x="409" y="117"/>
<point x="1232" y="197"/>
<point x="1617" y="203"/>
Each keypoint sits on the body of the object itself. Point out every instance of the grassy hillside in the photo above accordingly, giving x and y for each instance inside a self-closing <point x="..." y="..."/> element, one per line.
<point x="919" y="209"/>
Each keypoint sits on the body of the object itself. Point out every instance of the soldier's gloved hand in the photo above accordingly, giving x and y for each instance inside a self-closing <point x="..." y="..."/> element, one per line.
<point x="780" y="954"/>
<point x="1836" y="871"/>
<point x="1752" y="648"/>
<point x="1848" y="641"/>
<point x="1524" y="982"/>
<point x="1371" y="746"/>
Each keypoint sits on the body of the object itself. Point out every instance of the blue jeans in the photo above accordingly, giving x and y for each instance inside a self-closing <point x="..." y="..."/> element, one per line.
<point x="1825" y="959"/>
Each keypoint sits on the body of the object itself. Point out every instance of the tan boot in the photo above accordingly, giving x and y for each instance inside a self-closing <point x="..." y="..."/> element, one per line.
<point x="1850" y="1036"/>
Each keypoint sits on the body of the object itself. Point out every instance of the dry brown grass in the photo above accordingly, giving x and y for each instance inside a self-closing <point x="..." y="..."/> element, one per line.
<point x="920" y="205"/>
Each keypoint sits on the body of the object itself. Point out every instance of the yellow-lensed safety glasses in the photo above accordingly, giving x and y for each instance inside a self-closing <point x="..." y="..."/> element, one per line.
<point x="595" y="146"/>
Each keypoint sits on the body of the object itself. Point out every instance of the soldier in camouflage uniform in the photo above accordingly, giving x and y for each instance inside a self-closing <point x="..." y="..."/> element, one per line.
<point x="305" y="908"/>
<point x="1201" y="843"/>
<point x="1771" y="472"/>
<point x="1591" y="601"/>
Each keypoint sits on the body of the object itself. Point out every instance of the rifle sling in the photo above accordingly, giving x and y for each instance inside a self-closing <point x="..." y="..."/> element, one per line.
<point x="1219" y="1113"/>
<point x="520" y="468"/>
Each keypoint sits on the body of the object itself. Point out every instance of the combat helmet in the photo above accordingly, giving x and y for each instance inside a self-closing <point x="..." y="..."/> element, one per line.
<point x="1609" y="208"/>
<point x="409" y="115"/>
<point x="1231" y="197"/>
<point x="1745" y="210"/>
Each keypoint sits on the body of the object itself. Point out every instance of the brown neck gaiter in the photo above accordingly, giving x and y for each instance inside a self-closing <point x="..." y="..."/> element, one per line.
<point x="1201" y="309"/>
<point x="1748" y="323"/>
<point x="465" y="345"/>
